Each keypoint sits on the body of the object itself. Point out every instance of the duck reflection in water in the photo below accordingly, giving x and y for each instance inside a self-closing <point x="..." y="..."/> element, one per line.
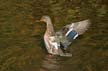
<point x="50" y="63"/>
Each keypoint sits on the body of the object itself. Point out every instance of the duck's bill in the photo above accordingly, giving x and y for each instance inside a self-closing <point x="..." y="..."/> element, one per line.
<point x="38" y="21"/>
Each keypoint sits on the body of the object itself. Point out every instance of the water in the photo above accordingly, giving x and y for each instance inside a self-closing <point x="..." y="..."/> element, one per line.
<point x="21" y="38"/>
<point x="50" y="63"/>
<point x="55" y="63"/>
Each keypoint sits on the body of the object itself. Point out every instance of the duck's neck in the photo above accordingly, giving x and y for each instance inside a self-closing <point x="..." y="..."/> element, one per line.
<point x="49" y="27"/>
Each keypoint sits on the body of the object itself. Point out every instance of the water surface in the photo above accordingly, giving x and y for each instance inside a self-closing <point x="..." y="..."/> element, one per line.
<point x="21" y="38"/>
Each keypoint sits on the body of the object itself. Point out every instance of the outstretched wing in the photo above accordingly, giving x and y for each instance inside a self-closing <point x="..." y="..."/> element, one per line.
<point x="81" y="27"/>
<point x="71" y="31"/>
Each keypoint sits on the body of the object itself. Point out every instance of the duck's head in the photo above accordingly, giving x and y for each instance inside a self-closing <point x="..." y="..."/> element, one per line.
<point x="45" y="19"/>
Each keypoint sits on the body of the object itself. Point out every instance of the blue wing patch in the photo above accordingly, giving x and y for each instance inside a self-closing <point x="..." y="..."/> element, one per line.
<point x="72" y="35"/>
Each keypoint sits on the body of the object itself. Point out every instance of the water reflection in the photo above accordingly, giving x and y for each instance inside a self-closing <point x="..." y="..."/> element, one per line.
<point x="50" y="63"/>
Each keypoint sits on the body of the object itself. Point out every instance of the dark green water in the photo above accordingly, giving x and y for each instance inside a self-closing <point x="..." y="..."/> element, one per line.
<point x="21" y="38"/>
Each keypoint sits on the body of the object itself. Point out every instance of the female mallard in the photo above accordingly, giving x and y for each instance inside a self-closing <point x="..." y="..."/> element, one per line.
<point x="57" y="42"/>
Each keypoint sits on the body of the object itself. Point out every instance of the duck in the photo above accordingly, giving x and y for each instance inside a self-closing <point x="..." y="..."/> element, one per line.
<point x="57" y="43"/>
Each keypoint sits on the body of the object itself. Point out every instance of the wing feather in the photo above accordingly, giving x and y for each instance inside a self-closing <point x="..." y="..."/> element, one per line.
<point x="81" y="27"/>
